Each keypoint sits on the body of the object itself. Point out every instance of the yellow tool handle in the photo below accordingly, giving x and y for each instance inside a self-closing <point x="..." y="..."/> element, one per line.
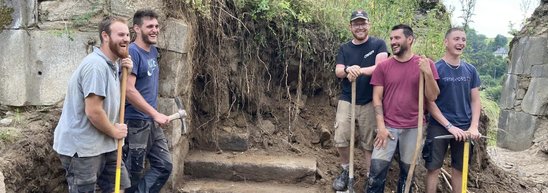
<point x="465" y="158"/>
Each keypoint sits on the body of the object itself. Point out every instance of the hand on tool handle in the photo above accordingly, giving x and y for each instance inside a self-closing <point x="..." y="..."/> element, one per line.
<point x="353" y="72"/>
<point x="424" y="65"/>
<point x="161" y="119"/>
<point x="120" y="132"/>
<point x="127" y="62"/>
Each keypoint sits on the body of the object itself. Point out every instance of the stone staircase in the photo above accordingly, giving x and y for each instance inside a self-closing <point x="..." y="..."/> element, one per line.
<point x="248" y="172"/>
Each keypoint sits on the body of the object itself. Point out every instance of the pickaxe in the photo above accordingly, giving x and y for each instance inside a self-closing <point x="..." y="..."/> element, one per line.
<point x="465" y="158"/>
<point x="180" y="114"/>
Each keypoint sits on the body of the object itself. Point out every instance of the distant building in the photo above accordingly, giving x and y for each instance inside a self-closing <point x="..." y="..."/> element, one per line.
<point x="502" y="51"/>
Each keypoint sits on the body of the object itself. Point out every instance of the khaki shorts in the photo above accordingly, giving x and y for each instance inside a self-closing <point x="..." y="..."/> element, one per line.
<point x="365" y="132"/>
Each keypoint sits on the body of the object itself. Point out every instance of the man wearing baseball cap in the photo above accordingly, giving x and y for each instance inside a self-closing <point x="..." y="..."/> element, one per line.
<point x="356" y="61"/>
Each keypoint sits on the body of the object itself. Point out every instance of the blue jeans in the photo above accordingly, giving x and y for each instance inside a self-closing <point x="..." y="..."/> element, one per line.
<point x="146" y="141"/>
<point x="404" y="141"/>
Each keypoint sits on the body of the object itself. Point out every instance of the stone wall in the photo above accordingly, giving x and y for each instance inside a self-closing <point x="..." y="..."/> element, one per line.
<point x="524" y="100"/>
<point x="44" y="42"/>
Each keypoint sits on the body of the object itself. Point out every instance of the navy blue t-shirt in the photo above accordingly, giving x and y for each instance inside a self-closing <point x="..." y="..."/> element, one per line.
<point x="363" y="55"/>
<point x="455" y="92"/>
<point x="146" y="69"/>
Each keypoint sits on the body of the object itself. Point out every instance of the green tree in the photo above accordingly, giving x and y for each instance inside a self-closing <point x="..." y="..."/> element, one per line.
<point x="490" y="67"/>
<point x="500" y="41"/>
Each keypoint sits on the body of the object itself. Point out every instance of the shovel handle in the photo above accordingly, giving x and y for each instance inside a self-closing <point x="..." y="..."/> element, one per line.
<point x="121" y="121"/>
<point x="352" y="136"/>
<point x="419" y="134"/>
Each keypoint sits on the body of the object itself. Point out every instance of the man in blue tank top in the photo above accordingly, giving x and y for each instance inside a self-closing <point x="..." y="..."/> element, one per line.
<point x="356" y="61"/>
<point x="456" y="110"/>
<point x="145" y="139"/>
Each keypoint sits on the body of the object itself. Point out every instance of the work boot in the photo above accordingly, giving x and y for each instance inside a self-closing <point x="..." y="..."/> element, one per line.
<point x="341" y="182"/>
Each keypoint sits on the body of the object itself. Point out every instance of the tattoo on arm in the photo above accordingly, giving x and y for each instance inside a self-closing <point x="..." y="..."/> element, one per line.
<point x="378" y="110"/>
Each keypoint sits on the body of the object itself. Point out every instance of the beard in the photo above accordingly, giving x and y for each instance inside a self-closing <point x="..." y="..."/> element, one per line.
<point x="119" y="51"/>
<point x="147" y="40"/>
<point x="358" y="37"/>
<point x="401" y="51"/>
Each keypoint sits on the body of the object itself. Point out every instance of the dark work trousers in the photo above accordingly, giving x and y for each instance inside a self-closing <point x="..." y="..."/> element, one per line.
<point x="146" y="141"/>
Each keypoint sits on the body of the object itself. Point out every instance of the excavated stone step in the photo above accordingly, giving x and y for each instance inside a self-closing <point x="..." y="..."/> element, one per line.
<point x="209" y="186"/>
<point x="248" y="166"/>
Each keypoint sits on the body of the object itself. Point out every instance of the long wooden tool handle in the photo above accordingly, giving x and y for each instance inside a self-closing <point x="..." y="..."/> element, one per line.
<point x="121" y="121"/>
<point x="352" y="134"/>
<point x="419" y="133"/>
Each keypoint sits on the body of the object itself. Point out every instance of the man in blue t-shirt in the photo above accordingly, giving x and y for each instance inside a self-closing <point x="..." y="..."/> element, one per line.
<point x="456" y="111"/>
<point x="145" y="139"/>
<point x="356" y="61"/>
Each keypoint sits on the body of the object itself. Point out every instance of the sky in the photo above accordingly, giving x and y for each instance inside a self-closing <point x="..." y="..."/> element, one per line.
<point x="492" y="17"/>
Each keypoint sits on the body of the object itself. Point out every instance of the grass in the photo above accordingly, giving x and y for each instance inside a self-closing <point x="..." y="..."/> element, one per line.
<point x="5" y="16"/>
<point x="8" y="135"/>
<point x="492" y="110"/>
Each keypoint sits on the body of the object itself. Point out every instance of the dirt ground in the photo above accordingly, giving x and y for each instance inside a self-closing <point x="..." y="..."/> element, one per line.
<point x="531" y="164"/>
<point x="29" y="164"/>
<point x="27" y="159"/>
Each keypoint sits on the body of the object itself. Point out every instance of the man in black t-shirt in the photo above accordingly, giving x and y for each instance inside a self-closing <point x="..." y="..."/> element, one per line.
<point x="356" y="61"/>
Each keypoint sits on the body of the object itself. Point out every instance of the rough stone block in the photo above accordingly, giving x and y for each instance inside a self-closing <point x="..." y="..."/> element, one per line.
<point x="251" y="167"/>
<point x="126" y="8"/>
<point x="48" y="72"/>
<point x="173" y="131"/>
<point x="218" y="186"/>
<point x="516" y="130"/>
<point x="509" y="90"/>
<point x="13" y="67"/>
<point x="70" y="10"/>
<point x="536" y="99"/>
<point x="173" y="36"/>
<point x="175" y="74"/>
<point x="24" y="13"/>
<point x="528" y="51"/>
<point x="40" y="62"/>
<point x="540" y="71"/>
<point x="233" y="139"/>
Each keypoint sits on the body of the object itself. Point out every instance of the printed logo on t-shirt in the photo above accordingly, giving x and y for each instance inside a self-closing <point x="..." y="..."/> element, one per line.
<point x="368" y="54"/>
<point x="152" y="65"/>
<point x="457" y="79"/>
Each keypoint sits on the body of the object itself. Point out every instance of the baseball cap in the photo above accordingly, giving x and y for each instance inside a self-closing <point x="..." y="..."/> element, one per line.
<point x="359" y="14"/>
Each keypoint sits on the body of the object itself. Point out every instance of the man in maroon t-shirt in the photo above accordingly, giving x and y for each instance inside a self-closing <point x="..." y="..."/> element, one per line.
<point x="395" y="98"/>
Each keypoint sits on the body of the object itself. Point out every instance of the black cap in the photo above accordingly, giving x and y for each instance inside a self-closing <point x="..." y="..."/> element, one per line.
<point x="359" y="14"/>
